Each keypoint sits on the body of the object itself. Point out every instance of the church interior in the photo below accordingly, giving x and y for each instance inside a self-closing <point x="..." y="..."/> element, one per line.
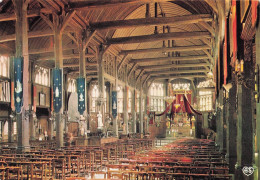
<point x="129" y="89"/>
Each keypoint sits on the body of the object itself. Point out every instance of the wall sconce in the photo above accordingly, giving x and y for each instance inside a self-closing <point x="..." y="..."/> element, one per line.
<point x="257" y="83"/>
<point x="239" y="66"/>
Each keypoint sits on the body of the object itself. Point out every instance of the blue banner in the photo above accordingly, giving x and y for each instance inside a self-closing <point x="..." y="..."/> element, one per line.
<point x="114" y="104"/>
<point x="81" y="95"/>
<point x="18" y="84"/>
<point x="57" y="89"/>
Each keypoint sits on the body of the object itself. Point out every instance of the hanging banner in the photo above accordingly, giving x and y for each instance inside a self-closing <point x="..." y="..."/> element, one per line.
<point x="34" y="98"/>
<point x="225" y="54"/>
<point x="234" y="30"/>
<point x="114" y="104"/>
<point x="254" y="4"/>
<point x="81" y="95"/>
<point x="57" y="89"/>
<point x="18" y="84"/>
<point x="51" y="99"/>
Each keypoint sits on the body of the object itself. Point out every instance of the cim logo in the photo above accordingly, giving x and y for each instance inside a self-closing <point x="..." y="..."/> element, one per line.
<point x="248" y="170"/>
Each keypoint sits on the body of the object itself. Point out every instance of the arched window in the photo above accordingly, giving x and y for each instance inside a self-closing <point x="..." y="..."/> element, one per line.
<point x="4" y="66"/>
<point x="156" y="97"/>
<point x="120" y="98"/>
<point x="72" y="85"/>
<point x="94" y="97"/>
<point x="42" y="76"/>
<point x="129" y="103"/>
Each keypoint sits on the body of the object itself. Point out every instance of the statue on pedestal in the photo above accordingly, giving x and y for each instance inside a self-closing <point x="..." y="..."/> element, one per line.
<point x="100" y="123"/>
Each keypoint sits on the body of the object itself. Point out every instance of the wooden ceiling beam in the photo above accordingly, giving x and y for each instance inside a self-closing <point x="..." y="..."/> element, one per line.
<point x="129" y="23"/>
<point x="168" y="66"/>
<point x="70" y="56"/>
<point x="67" y="19"/>
<point x="165" y="49"/>
<point x="77" y="65"/>
<point x="208" y="27"/>
<point x="179" y="77"/>
<point x="31" y="13"/>
<point x="159" y="37"/>
<point x="86" y="5"/>
<point x="32" y="34"/>
<point x="184" y="58"/>
<point x="177" y="72"/>
<point x="48" y="50"/>
<point x="49" y="6"/>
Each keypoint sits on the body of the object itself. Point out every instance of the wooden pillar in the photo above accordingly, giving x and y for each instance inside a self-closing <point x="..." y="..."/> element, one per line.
<point x="58" y="64"/>
<point x="10" y="130"/>
<point x="82" y="51"/>
<point x="231" y="129"/>
<point x="115" y="125"/>
<point x="141" y="111"/>
<point x="101" y="80"/>
<point x="257" y="42"/>
<point x="133" y="110"/>
<point x="125" y="101"/>
<point x="244" y="125"/>
<point x="21" y="43"/>
<point x="219" y="122"/>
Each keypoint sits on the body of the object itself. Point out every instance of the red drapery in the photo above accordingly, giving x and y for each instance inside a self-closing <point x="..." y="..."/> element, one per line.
<point x="254" y="4"/>
<point x="234" y="30"/>
<point x="184" y="106"/>
<point x="225" y="54"/>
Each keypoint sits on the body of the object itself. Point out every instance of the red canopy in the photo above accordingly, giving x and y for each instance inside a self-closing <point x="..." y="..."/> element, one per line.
<point x="184" y="106"/>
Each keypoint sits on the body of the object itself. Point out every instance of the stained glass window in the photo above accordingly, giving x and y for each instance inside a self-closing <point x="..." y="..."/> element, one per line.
<point x="42" y="76"/>
<point x="156" y="97"/>
<point x="72" y="86"/>
<point x="205" y="100"/>
<point x="120" y="98"/>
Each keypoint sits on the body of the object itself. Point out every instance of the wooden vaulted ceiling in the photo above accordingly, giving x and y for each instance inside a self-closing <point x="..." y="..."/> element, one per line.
<point x="181" y="47"/>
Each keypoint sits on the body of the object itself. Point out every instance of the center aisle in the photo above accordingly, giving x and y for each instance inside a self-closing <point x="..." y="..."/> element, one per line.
<point x="181" y="159"/>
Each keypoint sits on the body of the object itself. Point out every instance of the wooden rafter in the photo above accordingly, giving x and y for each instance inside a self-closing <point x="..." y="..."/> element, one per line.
<point x="179" y="77"/>
<point x="67" y="20"/>
<point x="165" y="49"/>
<point x="184" y="58"/>
<point x="168" y="66"/>
<point x="208" y="27"/>
<point x="70" y="56"/>
<point x="131" y="70"/>
<point x="85" y="5"/>
<point x="175" y="20"/>
<point x="177" y="72"/>
<point x="158" y="37"/>
<point x="48" y="50"/>
<point x="139" y="75"/>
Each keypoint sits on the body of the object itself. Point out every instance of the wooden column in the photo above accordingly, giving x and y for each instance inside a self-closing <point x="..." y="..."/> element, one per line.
<point x="115" y="125"/>
<point x="10" y="119"/>
<point x="257" y="42"/>
<point x="244" y="125"/>
<point x="141" y="109"/>
<point x="231" y="129"/>
<point x="220" y="121"/>
<point x="21" y="43"/>
<point x="133" y="111"/>
<point x="125" y="103"/>
<point x="82" y="51"/>
<point x="101" y="80"/>
<point x="58" y="64"/>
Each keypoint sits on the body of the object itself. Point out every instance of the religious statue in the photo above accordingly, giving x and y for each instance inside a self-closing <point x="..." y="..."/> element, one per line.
<point x="100" y="123"/>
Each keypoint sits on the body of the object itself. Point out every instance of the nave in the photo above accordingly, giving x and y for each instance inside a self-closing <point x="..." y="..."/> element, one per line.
<point x="185" y="158"/>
